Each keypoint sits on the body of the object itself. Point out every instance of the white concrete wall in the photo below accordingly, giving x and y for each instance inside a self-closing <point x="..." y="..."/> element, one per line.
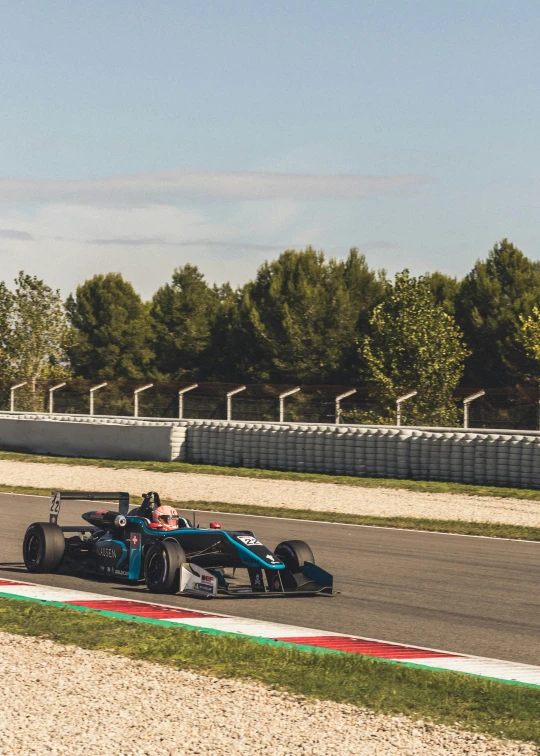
<point x="491" y="457"/>
<point x="79" y="436"/>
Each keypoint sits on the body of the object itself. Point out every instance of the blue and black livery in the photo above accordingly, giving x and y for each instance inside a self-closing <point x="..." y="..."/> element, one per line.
<point x="121" y="544"/>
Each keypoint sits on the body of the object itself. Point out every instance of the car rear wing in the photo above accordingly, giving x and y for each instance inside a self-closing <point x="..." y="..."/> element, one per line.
<point x="56" y="500"/>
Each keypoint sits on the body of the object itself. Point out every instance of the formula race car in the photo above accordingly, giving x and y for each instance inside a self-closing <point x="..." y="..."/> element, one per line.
<point x="152" y="543"/>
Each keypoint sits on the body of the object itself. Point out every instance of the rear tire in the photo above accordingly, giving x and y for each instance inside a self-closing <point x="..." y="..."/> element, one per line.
<point x="162" y="566"/>
<point x="43" y="547"/>
<point x="293" y="554"/>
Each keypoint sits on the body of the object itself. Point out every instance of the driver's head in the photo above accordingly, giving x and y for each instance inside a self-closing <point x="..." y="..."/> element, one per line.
<point x="165" y="517"/>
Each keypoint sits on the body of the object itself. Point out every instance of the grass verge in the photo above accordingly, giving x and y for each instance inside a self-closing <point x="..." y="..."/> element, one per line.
<point x="420" y="486"/>
<point x="472" y="704"/>
<point x="457" y="527"/>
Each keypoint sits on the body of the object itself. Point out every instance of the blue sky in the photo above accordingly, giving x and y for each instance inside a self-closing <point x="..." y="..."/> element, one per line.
<point x="138" y="136"/>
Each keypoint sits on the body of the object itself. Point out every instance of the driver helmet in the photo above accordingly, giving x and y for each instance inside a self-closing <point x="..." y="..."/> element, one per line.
<point x="165" y="517"/>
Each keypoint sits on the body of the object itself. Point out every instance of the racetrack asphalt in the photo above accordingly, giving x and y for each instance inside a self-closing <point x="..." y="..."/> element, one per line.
<point x="457" y="593"/>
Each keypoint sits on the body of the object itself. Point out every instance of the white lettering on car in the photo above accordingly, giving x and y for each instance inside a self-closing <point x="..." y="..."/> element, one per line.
<point x="106" y="552"/>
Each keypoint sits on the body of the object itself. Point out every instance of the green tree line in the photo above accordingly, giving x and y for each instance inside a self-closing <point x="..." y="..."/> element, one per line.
<point x="304" y="318"/>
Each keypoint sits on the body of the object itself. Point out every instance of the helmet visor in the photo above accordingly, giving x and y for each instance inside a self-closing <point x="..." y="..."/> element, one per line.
<point x="168" y="520"/>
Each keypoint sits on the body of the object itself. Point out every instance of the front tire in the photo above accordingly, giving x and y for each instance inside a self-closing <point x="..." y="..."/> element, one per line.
<point x="162" y="567"/>
<point x="293" y="554"/>
<point x="43" y="547"/>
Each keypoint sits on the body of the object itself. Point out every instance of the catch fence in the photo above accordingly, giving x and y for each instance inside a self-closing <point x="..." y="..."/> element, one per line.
<point x="513" y="408"/>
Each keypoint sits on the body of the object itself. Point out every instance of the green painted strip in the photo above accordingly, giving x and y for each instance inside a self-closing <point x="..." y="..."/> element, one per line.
<point x="168" y="623"/>
<point x="253" y="638"/>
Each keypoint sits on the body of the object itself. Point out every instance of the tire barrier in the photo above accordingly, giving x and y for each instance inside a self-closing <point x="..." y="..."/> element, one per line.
<point x="490" y="457"/>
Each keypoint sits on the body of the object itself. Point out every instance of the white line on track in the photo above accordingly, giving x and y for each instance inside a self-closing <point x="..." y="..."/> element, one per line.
<point x="329" y="522"/>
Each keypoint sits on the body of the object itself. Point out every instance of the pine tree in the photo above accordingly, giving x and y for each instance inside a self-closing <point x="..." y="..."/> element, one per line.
<point x="112" y="330"/>
<point x="298" y="320"/>
<point x="183" y="315"/>
<point x="444" y="289"/>
<point x="489" y="304"/>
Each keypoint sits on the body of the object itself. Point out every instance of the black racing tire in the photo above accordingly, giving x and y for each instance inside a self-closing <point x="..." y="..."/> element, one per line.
<point x="43" y="547"/>
<point x="293" y="554"/>
<point x="162" y="566"/>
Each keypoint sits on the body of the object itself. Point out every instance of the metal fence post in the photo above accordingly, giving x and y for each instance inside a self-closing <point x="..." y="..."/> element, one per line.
<point x="282" y="403"/>
<point x="181" y="399"/>
<point x="12" y="395"/>
<point x="51" y="396"/>
<point x="95" y="388"/>
<point x="338" y="403"/>
<point x="229" y="400"/>
<point x="399" y="402"/>
<point x="136" y="398"/>
<point x="466" y="403"/>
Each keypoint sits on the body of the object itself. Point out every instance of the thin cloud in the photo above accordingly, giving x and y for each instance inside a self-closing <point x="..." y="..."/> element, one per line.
<point x="231" y="245"/>
<point x="129" y="242"/>
<point x="171" y="186"/>
<point x="9" y="233"/>
<point x="159" y="241"/>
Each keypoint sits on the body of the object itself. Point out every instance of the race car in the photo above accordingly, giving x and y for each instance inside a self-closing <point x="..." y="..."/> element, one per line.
<point x="152" y="543"/>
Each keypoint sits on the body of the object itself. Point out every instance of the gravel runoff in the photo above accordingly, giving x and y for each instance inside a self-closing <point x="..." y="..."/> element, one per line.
<point x="383" y="502"/>
<point x="65" y="700"/>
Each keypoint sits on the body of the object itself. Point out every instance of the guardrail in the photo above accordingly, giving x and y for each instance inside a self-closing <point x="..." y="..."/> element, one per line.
<point x="491" y="457"/>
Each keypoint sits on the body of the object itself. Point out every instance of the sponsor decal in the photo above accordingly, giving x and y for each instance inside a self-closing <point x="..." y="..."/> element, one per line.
<point x="256" y="579"/>
<point x="135" y="540"/>
<point x="249" y="540"/>
<point x="273" y="559"/>
<point x="194" y="578"/>
<point x="107" y="552"/>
